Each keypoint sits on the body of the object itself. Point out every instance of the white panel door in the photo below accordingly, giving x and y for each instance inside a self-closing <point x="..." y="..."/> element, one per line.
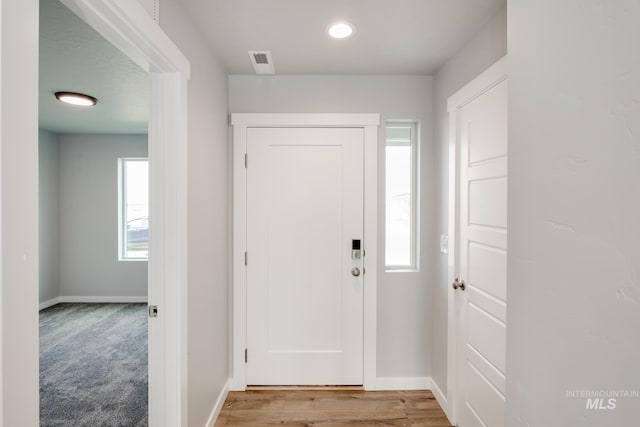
<point x="304" y="209"/>
<point x="481" y="302"/>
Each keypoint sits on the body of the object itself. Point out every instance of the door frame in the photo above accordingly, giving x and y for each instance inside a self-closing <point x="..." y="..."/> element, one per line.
<point x="240" y="123"/>
<point x="487" y="80"/>
<point x="128" y="26"/>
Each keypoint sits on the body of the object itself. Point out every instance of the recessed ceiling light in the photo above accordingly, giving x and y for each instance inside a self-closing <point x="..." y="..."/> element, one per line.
<point x="341" y="30"/>
<point x="76" y="99"/>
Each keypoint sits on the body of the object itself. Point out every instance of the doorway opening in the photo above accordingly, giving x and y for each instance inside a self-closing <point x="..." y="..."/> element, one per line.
<point x="129" y="27"/>
<point x="93" y="323"/>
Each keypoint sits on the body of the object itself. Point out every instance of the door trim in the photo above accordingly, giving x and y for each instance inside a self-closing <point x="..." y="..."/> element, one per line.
<point x="490" y="78"/>
<point x="240" y="123"/>
<point x="128" y="26"/>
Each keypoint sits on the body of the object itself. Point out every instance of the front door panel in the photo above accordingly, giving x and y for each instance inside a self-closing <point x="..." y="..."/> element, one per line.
<point x="304" y="209"/>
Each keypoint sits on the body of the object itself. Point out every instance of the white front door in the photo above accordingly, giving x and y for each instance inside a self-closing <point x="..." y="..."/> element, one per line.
<point x="480" y="303"/>
<point x="304" y="294"/>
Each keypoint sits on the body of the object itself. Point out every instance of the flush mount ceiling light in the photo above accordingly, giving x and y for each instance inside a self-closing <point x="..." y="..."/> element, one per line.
<point x="341" y="30"/>
<point x="74" y="98"/>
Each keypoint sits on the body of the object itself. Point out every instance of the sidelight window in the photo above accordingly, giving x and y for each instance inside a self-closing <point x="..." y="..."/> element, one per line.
<point x="401" y="201"/>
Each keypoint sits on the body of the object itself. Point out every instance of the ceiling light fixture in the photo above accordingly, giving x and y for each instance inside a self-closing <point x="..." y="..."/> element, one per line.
<point x="75" y="98"/>
<point x="341" y="30"/>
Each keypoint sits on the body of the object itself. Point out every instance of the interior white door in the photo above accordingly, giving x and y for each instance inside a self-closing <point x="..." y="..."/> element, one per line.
<point x="304" y="298"/>
<point x="481" y="302"/>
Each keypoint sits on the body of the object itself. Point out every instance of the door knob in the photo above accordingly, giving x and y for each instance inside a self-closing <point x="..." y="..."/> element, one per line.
<point x="355" y="271"/>
<point x="457" y="283"/>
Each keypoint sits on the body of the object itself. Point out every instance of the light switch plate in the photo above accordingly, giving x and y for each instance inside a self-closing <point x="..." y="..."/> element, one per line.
<point x="444" y="244"/>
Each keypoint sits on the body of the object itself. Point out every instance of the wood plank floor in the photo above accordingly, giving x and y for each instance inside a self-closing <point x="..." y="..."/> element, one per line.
<point x="326" y="408"/>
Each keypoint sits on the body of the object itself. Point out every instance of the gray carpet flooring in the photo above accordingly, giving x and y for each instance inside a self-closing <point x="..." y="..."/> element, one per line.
<point x="93" y="365"/>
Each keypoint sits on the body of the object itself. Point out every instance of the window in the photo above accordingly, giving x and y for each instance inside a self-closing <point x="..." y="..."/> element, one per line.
<point x="133" y="216"/>
<point x="401" y="197"/>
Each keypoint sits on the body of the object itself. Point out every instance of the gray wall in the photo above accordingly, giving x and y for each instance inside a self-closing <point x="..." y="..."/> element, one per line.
<point x="88" y="191"/>
<point x="49" y="216"/>
<point x="404" y="299"/>
<point x="483" y="50"/>
<point x="207" y="216"/>
<point x="574" y="205"/>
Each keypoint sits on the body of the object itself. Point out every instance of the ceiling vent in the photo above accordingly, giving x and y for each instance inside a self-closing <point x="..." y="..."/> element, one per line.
<point x="262" y="62"/>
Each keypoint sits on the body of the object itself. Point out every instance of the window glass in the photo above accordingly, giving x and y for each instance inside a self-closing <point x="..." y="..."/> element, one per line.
<point x="400" y="251"/>
<point x="134" y="209"/>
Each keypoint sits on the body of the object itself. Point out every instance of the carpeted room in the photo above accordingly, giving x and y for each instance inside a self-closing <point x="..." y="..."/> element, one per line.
<point x="93" y="290"/>
<point x="93" y="322"/>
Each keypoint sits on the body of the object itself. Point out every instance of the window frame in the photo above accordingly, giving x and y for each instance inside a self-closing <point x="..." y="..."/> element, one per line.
<point x="122" y="214"/>
<point x="414" y="265"/>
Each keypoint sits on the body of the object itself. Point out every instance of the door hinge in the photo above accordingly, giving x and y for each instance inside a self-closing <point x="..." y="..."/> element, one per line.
<point x="245" y="258"/>
<point x="153" y="311"/>
<point x="245" y="160"/>
<point x="246" y="355"/>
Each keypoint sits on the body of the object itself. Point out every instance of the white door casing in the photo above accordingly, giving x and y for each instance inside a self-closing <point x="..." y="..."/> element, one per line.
<point x="128" y="26"/>
<point x="478" y="230"/>
<point x="366" y="125"/>
<point x="304" y="207"/>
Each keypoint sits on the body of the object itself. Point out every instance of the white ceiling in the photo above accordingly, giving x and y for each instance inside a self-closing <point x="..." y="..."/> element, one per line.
<point x="73" y="57"/>
<point x="410" y="37"/>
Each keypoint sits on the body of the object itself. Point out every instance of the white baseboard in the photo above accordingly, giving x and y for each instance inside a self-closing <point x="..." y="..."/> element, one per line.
<point x="218" y="406"/>
<point x="403" y="383"/>
<point x="103" y="299"/>
<point x="49" y="303"/>
<point x="441" y="398"/>
<point x="97" y="299"/>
